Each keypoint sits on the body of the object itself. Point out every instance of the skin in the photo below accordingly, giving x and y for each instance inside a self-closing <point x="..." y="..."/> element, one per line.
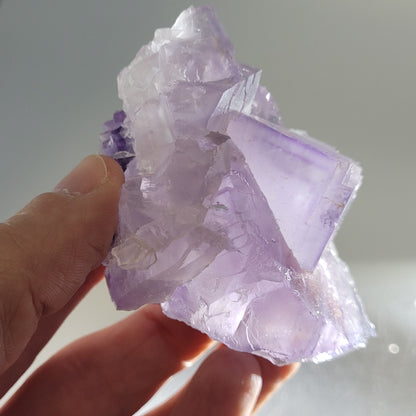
<point x="50" y="257"/>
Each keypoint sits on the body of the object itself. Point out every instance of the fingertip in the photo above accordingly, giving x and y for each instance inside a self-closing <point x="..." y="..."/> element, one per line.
<point x="227" y="383"/>
<point x="174" y="332"/>
<point x="90" y="174"/>
<point x="290" y="370"/>
<point x="273" y="377"/>
<point x="114" y="171"/>
<point x="242" y="369"/>
<point x="276" y="373"/>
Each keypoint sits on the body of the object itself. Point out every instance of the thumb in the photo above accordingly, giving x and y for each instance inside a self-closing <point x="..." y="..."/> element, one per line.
<point x="48" y="249"/>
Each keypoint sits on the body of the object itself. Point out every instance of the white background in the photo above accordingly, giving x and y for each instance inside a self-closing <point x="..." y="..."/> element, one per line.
<point x="343" y="70"/>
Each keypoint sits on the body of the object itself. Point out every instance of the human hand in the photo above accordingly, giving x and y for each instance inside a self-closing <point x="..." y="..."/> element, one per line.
<point x="50" y="256"/>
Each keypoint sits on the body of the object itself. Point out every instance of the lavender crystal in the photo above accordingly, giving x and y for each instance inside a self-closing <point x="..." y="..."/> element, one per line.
<point x="226" y="217"/>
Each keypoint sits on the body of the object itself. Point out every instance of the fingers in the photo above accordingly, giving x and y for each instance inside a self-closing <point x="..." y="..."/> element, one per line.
<point x="112" y="372"/>
<point x="228" y="383"/>
<point x="117" y="370"/>
<point x="48" y="249"/>
<point x="47" y="326"/>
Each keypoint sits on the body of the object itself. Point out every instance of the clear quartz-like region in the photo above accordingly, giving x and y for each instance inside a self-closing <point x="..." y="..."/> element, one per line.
<point x="227" y="217"/>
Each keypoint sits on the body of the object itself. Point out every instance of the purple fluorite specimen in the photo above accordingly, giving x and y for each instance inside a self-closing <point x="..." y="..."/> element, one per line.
<point x="227" y="217"/>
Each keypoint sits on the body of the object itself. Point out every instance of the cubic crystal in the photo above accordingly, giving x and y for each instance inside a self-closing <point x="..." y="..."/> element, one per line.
<point x="226" y="217"/>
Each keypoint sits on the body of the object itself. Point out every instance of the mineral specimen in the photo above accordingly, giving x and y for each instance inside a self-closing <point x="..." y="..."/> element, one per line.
<point x="226" y="217"/>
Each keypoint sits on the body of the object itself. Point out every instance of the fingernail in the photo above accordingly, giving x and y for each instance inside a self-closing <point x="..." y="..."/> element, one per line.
<point x="85" y="177"/>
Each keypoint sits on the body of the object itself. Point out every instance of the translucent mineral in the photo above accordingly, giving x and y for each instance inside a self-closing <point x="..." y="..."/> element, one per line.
<point x="227" y="218"/>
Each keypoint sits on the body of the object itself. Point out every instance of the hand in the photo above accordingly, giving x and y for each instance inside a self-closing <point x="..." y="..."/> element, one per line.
<point x="50" y="256"/>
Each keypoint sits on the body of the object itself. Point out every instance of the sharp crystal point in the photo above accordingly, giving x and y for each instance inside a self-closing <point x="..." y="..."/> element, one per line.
<point x="227" y="217"/>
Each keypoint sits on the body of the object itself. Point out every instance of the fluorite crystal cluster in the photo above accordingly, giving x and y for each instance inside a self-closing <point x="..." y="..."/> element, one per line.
<point x="226" y="217"/>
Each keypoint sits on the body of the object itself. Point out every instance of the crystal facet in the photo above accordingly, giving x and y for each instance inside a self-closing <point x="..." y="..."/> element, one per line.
<point x="227" y="217"/>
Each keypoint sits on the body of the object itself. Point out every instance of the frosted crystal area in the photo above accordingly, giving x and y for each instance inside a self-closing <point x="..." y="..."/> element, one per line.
<point x="227" y="217"/>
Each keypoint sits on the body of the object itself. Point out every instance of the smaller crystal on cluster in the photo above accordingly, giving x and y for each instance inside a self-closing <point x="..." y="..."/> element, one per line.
<point x="115" y="143"/>
<point x="227" y="217"/>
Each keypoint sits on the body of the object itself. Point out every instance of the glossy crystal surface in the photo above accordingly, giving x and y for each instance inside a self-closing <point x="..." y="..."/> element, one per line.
<point x="227" y="217"/>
